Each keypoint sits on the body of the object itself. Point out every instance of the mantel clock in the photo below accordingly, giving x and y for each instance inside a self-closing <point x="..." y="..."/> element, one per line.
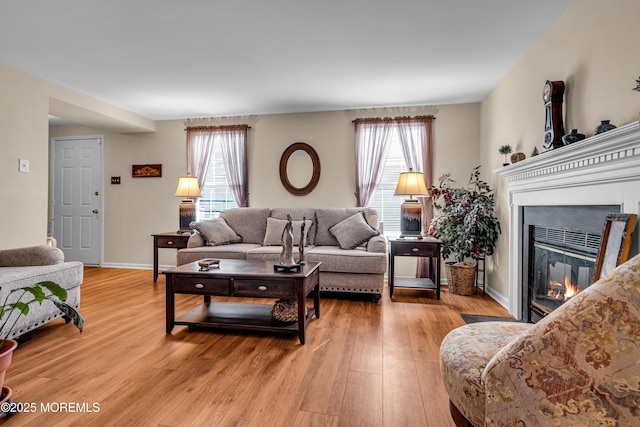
<point x="552" y="95"/>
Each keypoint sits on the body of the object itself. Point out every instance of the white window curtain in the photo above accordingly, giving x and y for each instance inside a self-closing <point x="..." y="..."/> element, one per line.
<point x="233" y="143"/>
<point x="415" y="138"/>
<point x="234" y="150"/>
<point x="372" y="147"/>
<point x="199" y="148"/>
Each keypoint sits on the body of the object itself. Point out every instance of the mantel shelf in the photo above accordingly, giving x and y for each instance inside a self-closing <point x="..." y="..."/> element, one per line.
<point x="617" y="151"/>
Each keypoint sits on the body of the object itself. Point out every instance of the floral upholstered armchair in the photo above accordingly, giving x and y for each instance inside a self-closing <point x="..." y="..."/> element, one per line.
<point x="579" y="366"/>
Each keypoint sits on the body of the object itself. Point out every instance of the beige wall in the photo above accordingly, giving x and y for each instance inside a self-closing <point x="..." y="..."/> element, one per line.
<point x="137" y="208"/>
<point x="23" y="135"/>
<point x="25" y="104"/>
<point x="593" y="48"/>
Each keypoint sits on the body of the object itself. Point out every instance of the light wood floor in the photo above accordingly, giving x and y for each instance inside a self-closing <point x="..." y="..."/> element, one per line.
<point x="364" y="364"/>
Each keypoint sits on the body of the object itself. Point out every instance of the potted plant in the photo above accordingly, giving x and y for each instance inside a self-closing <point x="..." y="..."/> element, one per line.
<point x="505" y="150"/>
<point x="20" y="306"/>
<point x="465" y="224"/>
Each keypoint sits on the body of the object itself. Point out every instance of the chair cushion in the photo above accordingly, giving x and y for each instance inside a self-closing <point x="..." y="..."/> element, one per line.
<point x="31" y="256"/>
<point x="464" y="353"/>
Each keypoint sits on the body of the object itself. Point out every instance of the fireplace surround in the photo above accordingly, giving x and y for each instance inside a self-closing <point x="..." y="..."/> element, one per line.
<point x="600" y="172"/>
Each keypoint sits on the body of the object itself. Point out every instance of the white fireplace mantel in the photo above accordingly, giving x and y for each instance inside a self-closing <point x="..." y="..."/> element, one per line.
<point x="601" y="170"/>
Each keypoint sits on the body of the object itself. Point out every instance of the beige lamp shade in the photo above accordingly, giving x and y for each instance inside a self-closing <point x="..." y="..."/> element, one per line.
<point x="411" y="184"/>
<point x="188" y="187"/>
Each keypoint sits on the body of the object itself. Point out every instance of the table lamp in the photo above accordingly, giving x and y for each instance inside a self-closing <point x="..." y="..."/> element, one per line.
<point x="411" y="184"/>
<point x="189" y="189"/>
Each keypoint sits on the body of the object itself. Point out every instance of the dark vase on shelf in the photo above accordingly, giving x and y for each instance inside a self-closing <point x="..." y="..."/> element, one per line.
<point x="572" y="137"/>
<point x="604" y="126"/>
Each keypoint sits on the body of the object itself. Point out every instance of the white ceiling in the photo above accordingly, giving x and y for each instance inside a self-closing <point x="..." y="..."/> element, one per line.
<point x="173" y="59"/>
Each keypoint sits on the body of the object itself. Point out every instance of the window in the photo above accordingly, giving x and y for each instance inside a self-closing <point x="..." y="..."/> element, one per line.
<point x="216" y="194"/>
<point x="382" y="200"/>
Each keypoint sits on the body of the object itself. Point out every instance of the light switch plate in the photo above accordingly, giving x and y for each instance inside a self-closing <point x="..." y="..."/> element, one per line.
<point x="24" y="166"/>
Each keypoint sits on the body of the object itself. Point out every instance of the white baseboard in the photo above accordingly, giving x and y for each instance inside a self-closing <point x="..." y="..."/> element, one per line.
<point x="134" y="266"/>
<point x="499" y="298"/>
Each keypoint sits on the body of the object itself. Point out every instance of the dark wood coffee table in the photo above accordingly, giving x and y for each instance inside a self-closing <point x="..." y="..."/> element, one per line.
<point x="240" y="278"/>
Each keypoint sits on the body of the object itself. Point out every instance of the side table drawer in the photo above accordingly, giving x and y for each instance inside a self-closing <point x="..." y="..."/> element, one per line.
<point x="263" y="288"/>
<point x="172" y="242"/>
<point x="408" y="249"/>
<point x="196" y="285"/>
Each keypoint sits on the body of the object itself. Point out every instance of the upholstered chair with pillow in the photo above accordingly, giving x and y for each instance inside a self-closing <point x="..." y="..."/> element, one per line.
<point x="579" y="366"/>
<point x="20" y="267"/>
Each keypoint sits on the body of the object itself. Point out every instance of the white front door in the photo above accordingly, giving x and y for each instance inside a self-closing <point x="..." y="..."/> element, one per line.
<point x="76" y="197"/>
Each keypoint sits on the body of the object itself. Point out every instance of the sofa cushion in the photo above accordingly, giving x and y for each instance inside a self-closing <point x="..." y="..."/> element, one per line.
<point x="249" y="223"/>
<point x="270" y="253"/>
<point x="353" y="231"/>
<point x="216" y="232"/>
<point x="233" y="251"/>
<point x="275" y="227"/>
<point x="298" y="214"/>
<point x="327" y="218"/>
<point x="354" y="261"/>
<point x="464" y="353"/>
<point x="195" y="241"/>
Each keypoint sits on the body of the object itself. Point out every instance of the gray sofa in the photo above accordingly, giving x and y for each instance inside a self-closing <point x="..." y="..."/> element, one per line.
<point x="359" y="270"/>
<point x="30" y="265"/>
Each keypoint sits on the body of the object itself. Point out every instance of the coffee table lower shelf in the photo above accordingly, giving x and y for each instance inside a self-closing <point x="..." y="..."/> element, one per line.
<point x="239" y="316"/>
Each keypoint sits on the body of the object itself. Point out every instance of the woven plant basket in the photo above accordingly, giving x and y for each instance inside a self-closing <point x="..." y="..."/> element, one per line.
<point x="463" y="278"/>
<point x="447" y="271"/>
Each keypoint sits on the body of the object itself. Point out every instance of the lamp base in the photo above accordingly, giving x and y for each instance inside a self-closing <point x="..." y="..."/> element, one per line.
<point x="411" y="219"/>
<point x="187" y="215"/>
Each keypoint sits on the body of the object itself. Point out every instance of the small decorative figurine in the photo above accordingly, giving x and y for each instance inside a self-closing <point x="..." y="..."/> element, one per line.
<point x="286" y="256"/>
<point x="301" y="242"/>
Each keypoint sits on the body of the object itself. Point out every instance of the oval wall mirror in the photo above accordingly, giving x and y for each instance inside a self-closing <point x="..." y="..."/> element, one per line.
<point x="294" y="169"/>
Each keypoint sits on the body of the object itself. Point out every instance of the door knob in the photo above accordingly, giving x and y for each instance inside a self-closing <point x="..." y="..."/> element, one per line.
<point x="95" y="211"/>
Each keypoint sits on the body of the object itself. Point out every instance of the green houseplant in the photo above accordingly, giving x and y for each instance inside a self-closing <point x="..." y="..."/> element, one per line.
<point x="505" y="150"/>
<point x="466" y="222"/>
<point x="12" y="308"/>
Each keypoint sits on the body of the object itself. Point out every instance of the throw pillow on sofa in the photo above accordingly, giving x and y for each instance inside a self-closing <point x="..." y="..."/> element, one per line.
<point x="353" y="231"/>
<point x="275" y="227"/>
<point x="216" y="232"/>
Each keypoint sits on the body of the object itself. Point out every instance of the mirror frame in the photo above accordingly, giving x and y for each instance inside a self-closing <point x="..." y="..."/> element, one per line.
<point x="315" y="177"/>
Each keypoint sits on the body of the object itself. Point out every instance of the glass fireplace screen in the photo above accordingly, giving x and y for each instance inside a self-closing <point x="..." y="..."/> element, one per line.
<point x="557" y="275"/>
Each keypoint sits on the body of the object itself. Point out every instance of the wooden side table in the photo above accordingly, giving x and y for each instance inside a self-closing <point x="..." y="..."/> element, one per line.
<point x="428" y="247"/>
<point x="170" y="239"/>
